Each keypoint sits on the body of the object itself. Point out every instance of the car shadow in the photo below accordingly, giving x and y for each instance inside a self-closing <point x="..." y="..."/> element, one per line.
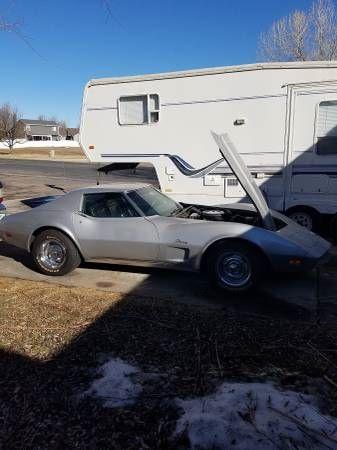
<point x="17" y="254"/>
<point x="41" y="406"/>
<point x="178" y="286"/>
<point x="40" y="400"/>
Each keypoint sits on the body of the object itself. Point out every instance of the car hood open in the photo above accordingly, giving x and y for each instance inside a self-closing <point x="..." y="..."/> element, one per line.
<point x="240" y="170"/>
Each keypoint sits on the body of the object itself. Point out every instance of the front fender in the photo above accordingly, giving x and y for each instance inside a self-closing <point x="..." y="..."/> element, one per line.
<point x="275" y="247"/>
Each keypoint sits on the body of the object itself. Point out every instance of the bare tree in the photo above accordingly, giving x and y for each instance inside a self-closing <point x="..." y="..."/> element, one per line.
<point x="45" y="117"/>
<point x="51" y="119"/>
<point x="10" y="127"/>
<point x="6" y="25"/>
<point x="303" y="35"/>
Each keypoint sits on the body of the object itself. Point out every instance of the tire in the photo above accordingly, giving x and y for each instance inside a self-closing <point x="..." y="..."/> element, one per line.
<point x="54" y="253"/>
<point x="306" y="217"/>
<point x="333" y="228"/>
<point x="236" y="267"/>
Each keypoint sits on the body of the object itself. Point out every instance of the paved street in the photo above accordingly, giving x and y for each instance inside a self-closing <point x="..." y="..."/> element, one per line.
<point x="25" y="179"/>
<point x="59" y="170"/>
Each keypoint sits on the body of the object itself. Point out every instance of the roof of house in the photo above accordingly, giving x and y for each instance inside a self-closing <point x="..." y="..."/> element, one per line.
<point x="39" y="122"/>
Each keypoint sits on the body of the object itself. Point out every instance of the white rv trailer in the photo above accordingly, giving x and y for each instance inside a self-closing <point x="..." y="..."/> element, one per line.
<point x="282" y="117"/>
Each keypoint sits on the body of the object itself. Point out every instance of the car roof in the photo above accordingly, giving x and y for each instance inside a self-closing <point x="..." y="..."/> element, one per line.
<point x="115" y="187"/>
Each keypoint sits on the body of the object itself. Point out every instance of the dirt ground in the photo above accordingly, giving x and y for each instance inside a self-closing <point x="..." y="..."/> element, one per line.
<point x="52" y="338"/>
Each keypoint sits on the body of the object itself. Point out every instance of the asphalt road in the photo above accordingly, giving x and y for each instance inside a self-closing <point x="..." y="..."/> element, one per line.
<point x="70" y="170"/>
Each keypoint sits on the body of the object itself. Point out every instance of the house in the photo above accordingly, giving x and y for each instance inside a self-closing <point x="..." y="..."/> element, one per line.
<point x="40" y="130"/>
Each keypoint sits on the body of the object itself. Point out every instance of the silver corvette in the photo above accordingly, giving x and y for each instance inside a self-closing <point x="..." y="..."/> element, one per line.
<point x="235" y="245"/>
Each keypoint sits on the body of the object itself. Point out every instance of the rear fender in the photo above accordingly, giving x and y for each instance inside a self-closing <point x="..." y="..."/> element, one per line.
<point x="56" y="227"/>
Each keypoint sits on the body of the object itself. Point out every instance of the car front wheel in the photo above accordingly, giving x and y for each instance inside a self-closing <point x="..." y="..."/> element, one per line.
<point x="236" y="267"/>
<point x="54" y="253"/>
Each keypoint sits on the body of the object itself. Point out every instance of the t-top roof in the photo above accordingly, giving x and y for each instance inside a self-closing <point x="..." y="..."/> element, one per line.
<point x="115" y="187"/>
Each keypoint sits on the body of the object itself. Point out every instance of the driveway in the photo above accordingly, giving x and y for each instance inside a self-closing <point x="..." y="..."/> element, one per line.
<point x="305" y="296"/>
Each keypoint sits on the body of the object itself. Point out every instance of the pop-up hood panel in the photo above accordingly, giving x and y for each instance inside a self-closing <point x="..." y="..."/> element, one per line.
<point x="240" y="170"/>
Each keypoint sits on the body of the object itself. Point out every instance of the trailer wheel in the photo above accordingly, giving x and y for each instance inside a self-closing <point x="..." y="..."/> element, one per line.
<point x="333" y="228"/>
<point x="306" y="217"/>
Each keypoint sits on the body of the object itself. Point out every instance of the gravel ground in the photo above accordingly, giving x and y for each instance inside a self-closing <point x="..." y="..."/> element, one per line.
<point x="52" y="339"/>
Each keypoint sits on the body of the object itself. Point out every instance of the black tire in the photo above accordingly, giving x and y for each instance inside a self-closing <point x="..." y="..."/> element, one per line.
<point x="253" y="261"/>
<point x="333" y="228"/>
<point x="53" y="245"/>
<point x="304" y="216"/>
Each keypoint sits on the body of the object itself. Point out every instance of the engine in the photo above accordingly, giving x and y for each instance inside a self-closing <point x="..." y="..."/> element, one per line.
<point x="220" y="214"/>
<point x="213" y="214"/>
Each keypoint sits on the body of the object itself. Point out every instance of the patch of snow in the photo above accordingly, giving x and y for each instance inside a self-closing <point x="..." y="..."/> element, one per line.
<point x="246" y="416"/>
<point x="21" y="144"/>
<point x="116" y="386"/>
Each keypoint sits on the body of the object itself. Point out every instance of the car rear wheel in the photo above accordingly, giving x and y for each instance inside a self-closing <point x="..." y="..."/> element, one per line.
<point x="236" y="267"/>
<point x="54" y="253"/>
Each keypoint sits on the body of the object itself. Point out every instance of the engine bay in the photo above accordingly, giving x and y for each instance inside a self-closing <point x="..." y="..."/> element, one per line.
<point x="218" y="214"/>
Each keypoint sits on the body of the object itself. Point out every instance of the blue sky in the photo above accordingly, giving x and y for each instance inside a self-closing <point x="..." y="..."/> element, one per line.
<point x="76" y="42"/>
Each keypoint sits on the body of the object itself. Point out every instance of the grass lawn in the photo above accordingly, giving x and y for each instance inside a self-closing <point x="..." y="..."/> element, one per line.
<point x="44" y="153"/>
<point x="52" y="338"/>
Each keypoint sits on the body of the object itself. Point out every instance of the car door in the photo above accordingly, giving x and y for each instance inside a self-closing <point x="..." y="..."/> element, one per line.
<point x="108" y="227"/>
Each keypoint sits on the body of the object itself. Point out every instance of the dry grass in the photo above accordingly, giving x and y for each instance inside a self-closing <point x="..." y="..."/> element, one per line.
<point x="52" y="337"/>
<point x="39" y="319"/>
<point x="44" y="153"/>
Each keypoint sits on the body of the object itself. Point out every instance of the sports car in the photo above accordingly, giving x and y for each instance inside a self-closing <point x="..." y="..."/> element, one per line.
<point x="235" y="245"/>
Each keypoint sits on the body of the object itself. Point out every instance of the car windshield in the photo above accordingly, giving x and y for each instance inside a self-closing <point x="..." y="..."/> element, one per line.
<point x="152" y="202"/>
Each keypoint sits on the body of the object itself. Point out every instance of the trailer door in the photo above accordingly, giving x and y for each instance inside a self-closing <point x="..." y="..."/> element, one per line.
<point x="311" y="150"/>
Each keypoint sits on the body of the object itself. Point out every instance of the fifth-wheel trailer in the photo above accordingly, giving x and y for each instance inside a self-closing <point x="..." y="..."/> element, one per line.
<point x="281" y="117"/>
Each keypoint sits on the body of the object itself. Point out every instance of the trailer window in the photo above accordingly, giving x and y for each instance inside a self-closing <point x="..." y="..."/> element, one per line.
<point x="138" y="109"/>
<point x="327" y="128"/>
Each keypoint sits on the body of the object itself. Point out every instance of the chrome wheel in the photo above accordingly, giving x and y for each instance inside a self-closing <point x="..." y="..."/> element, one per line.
<point x="302" y="218"/>
<point x="234" y="269"/>
<point x="52" y="254"/>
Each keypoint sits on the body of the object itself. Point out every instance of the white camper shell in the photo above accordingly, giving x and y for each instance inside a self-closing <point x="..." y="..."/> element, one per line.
<point x="281" y="117"/>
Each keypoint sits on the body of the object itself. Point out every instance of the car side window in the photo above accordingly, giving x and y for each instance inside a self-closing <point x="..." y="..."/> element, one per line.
<point x="107" y="204"/>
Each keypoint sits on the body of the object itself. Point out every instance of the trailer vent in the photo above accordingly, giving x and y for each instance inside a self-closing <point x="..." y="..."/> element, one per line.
<point x="233" y="188"/>
<point x="232" y="182"/>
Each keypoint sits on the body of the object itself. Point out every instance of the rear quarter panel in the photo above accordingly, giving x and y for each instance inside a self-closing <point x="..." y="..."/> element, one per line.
<point x="22" y="226"/>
